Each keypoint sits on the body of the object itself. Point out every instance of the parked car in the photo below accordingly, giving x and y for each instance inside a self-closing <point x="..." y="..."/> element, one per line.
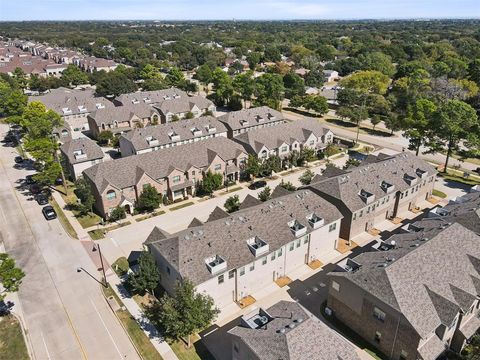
<point x="18" y="159"/>
<point x="49" y="212"/>
<point x="42" y="199"/>
<point x="59" y="181"/>
<point x="5" y="308"/>
<point x="29" y="180"/>
<point x="35" y="189"/>
<point x="257" y="185"/>
<point x="477" y="170"/>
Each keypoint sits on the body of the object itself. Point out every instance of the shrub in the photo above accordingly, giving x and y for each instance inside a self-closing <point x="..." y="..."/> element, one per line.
<point x="117" y="214"/>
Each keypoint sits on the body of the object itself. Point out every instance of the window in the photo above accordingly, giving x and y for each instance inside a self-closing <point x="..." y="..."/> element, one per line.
<point x="242" y="271"/>
<point x="111" y="194"/>
<point x="264" y="260"/>
<point x="379" y="314"/>
<point x="252" y="266"/>
<point x="235" y="348"/>
<point x="218" y="167"/>
<point x="401" y="196"/>
<point x="299" y="242"/>
<point x="272" y="257"/>
<point x="332" y="227"/>
<point x="368" y="210"/>
<point x="312" y="142"/>
<point x="284" y="149"/>
<point x="335" y="286"/>
<point x="403" y="355"/>
<point x="361" y="213"/>
<point x="221" y="279"/>
<point x="280" y="252"/>
<point x="168" y="270"/>
<point x="176" y="179"/>
<point x="378" y="336"/>
<point x="354" y="216"/>
<point x="305" y="240"/>
<point x="292" y="246"/>
<point x="231" y="274"/>
<point x="193" y="173"/>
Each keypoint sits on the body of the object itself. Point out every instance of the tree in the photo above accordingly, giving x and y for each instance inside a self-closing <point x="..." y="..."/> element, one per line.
<point x="189" y="115"/>
<point x="175" y="77"/>
<point x="316" y="103"/>
<point x="307" y="154"/>
<point x="184" y="313"/>
<point x="147" y="277"/>
<point x="222" y="85"/>
<point x="117" y="214"/>
<point x="419" y="122"/>
<point x="252" y="166"/>
<point x="12" y="101"/>
<point x="315" y="78"/>
<point x="287" y="185"/>
<point x="204" y="75"/>
<point x="211" y="182"/>
<point x="272" y="163"/>
<point x="115" y="83"/>
<point x="105" y="137"/>
<point x="306" y="177"/>
<point x="265" y="194"/>
<point x="84" y="194"/>
<point x="245" y="86"/>
<point x="232" y="204"/>
<point x="294" y="84"/>
<point x="351" y="162"/>
<point x="253" y="59"/>
<point x="368" y="81"/>
<point x="269" y="90"/>
<point x="72" y="75"/>
<point x="154" y="84"/>
<point x="455" y="121"/>
<point x="375" y="120"/>
<point x="149" y="199"/>
<point x="10" y="275"/>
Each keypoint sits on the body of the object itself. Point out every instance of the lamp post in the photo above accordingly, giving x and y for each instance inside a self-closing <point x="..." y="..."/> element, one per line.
<point x="101" y="262"/>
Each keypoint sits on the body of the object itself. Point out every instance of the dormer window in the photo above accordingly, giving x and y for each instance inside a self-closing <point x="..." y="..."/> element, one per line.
<point x="387" y="187"/>
<point x="211" y="129"/>
<point x="297" y="228"/>
<point x="244" y="122"/>
<point x="100" y="106"/>
<point x="176" y="96"/>
<point x="215" y="264"/>
<point x="196" y="131"/>
<point x="257" y="246"/>
<point x="411" y="180"/>
<point x="271" y="116"/>
<point x="147" y="100"/>
<point x="66" y="111"/>
<point x="174" y="136"/>
<point x="166" y="97"/>
<point x="152" y="141"/>
<point x="260" y="119"/>
<point x="367" y="196"/>
<point x="422" y="174"/>
<point x="315" y="221"/>
<point x="135" y="101"/>
<point x="79" y="154"/>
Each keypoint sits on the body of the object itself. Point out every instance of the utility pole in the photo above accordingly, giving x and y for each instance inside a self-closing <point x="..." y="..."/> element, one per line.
<point x="105" y="283"/>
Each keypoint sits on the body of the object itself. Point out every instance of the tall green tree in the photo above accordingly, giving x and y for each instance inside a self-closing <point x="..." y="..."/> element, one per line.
<point x="419" y="123"/>
<point x="149" y="199"/>
<point x="147" y="277"/>
<point x="306" y="177"/>
<point x="183" y="314"/>
<point x="72" y="75"/>
<point x="232" y="204"/>
<point x="10" y="275"/>
<point x="211" y="182"/>
<point x="244" y="85"/>
<point x="270" y="90"/>
<point x="265" y="194"/>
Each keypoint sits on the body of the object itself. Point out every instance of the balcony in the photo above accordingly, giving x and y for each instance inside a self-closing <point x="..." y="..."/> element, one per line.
<point x="257" y="246"/>
<point x="79" y="155"/>
<point x="366" y="196"/>
<point x="174" y="136"/>
<point x="422" y="174"/>
<point x="410" y="180"/>
<point x="315" y="221"/>
<point x="387" y="187"/>
<point x="216" y="264"/>
<point x="297" y="228"/>
<point x="151" y="141"/>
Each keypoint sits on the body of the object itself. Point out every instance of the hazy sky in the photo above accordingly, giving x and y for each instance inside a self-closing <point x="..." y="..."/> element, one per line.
<point x="238" y="9"/>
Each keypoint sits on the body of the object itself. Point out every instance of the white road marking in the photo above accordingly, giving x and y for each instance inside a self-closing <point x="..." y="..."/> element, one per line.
<point x="108" y="332"/>
<point x="114" y="242"/>
<point x="45" y="344"/>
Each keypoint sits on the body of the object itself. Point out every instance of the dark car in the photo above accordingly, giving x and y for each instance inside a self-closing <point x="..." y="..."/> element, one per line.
<point x="42" y="199"/>
<point x="59" y="181"/>
<point x="477" y="170"/>
<point x="29" y="180"/>
<point x="5" y="308"/>
<point x="49" y="212"/>
<point x="35" y="189"/>
<point x="18" y="159"/>
<point x="257" y="185"/>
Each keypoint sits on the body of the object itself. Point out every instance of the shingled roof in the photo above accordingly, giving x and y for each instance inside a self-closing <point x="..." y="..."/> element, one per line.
<point x="236" y="120"/>
<point x="187" y="250"/>
<point x="346" y="187"/>
<point x="88" y="148"/>
<point x="307" y="339"/>
<point x="125" y="172"/>
<point x="150" y="97"/>
<point x="288" y="133"/>
<point x="426" y="276"/>
<point x="123" y="113"/>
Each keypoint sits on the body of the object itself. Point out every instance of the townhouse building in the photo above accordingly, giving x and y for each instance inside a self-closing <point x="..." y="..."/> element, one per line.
<point x="164" y="136"/>
<point x="378" y="190"/>
<point x="172" y="104"/>
<point x="173" y="173"/>
<point x="241" y="121"/>
<point x="232" y="256"/>
<point x="73" y="105"/>
<point x="416" y="298"/>
<point x="122" y="119"/>
<point x="80" y="154"/>
<point x="287" y="330"/>
<point x="282" y="139"/>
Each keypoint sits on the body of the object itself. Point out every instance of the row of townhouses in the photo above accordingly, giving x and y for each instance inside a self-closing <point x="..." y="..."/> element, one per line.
<point x="419" y="295"/>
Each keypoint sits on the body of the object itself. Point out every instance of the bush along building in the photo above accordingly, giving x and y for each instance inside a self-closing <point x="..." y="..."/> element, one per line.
<point x="419" y="296"/>
<point x="230" y="257"/>
<point x="383" y="187"/>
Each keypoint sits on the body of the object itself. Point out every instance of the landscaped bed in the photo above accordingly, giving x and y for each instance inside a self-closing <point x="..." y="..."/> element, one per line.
<point x="149" y="216"/>
<point x="100" y="233"/>
<point x="181" y="206"/>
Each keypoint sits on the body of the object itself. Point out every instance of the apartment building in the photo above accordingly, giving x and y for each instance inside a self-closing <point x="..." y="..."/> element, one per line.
<point x="232" y="256"/>
<point x="373" y="192"/>
<point x="80" y="154"/>
<point x="164" y="136"/>
<point x="73" y="105"/>
<point x="172" y="172"/>
<point x="416" y="298"/>
<point x="122" y="119"/>
<point x="171" y="103"/>
<point x="239" y="122"/>
<point x="282" y="139"/>
<point x="286" y="330"/>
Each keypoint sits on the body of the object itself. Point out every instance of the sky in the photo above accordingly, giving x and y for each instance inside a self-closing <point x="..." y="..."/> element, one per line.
<point x="237" y="9"/>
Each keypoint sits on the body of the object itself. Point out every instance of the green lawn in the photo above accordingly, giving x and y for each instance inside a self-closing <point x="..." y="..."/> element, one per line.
<point x="233" y="189"/>
<point x="120" y="266"/>
<point x="181" y="206"/>
<point x="63" y="219"/>
<point x="12" y="343"/>
<point x="99" y="233"/>
<point x="148" y="216"/>
<point x="196" y="352"/>
<point x="139" y="338"/>
<point x="460" y="179"/>
<point x="88" y="220"/>
<point x="439" y="193"/>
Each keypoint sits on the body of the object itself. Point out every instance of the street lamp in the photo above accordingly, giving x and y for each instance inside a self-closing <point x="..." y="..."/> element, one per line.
<point x="95" y="246"/>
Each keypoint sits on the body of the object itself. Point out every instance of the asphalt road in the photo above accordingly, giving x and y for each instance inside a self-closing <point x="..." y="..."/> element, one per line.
<point x="65" y="314"/>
